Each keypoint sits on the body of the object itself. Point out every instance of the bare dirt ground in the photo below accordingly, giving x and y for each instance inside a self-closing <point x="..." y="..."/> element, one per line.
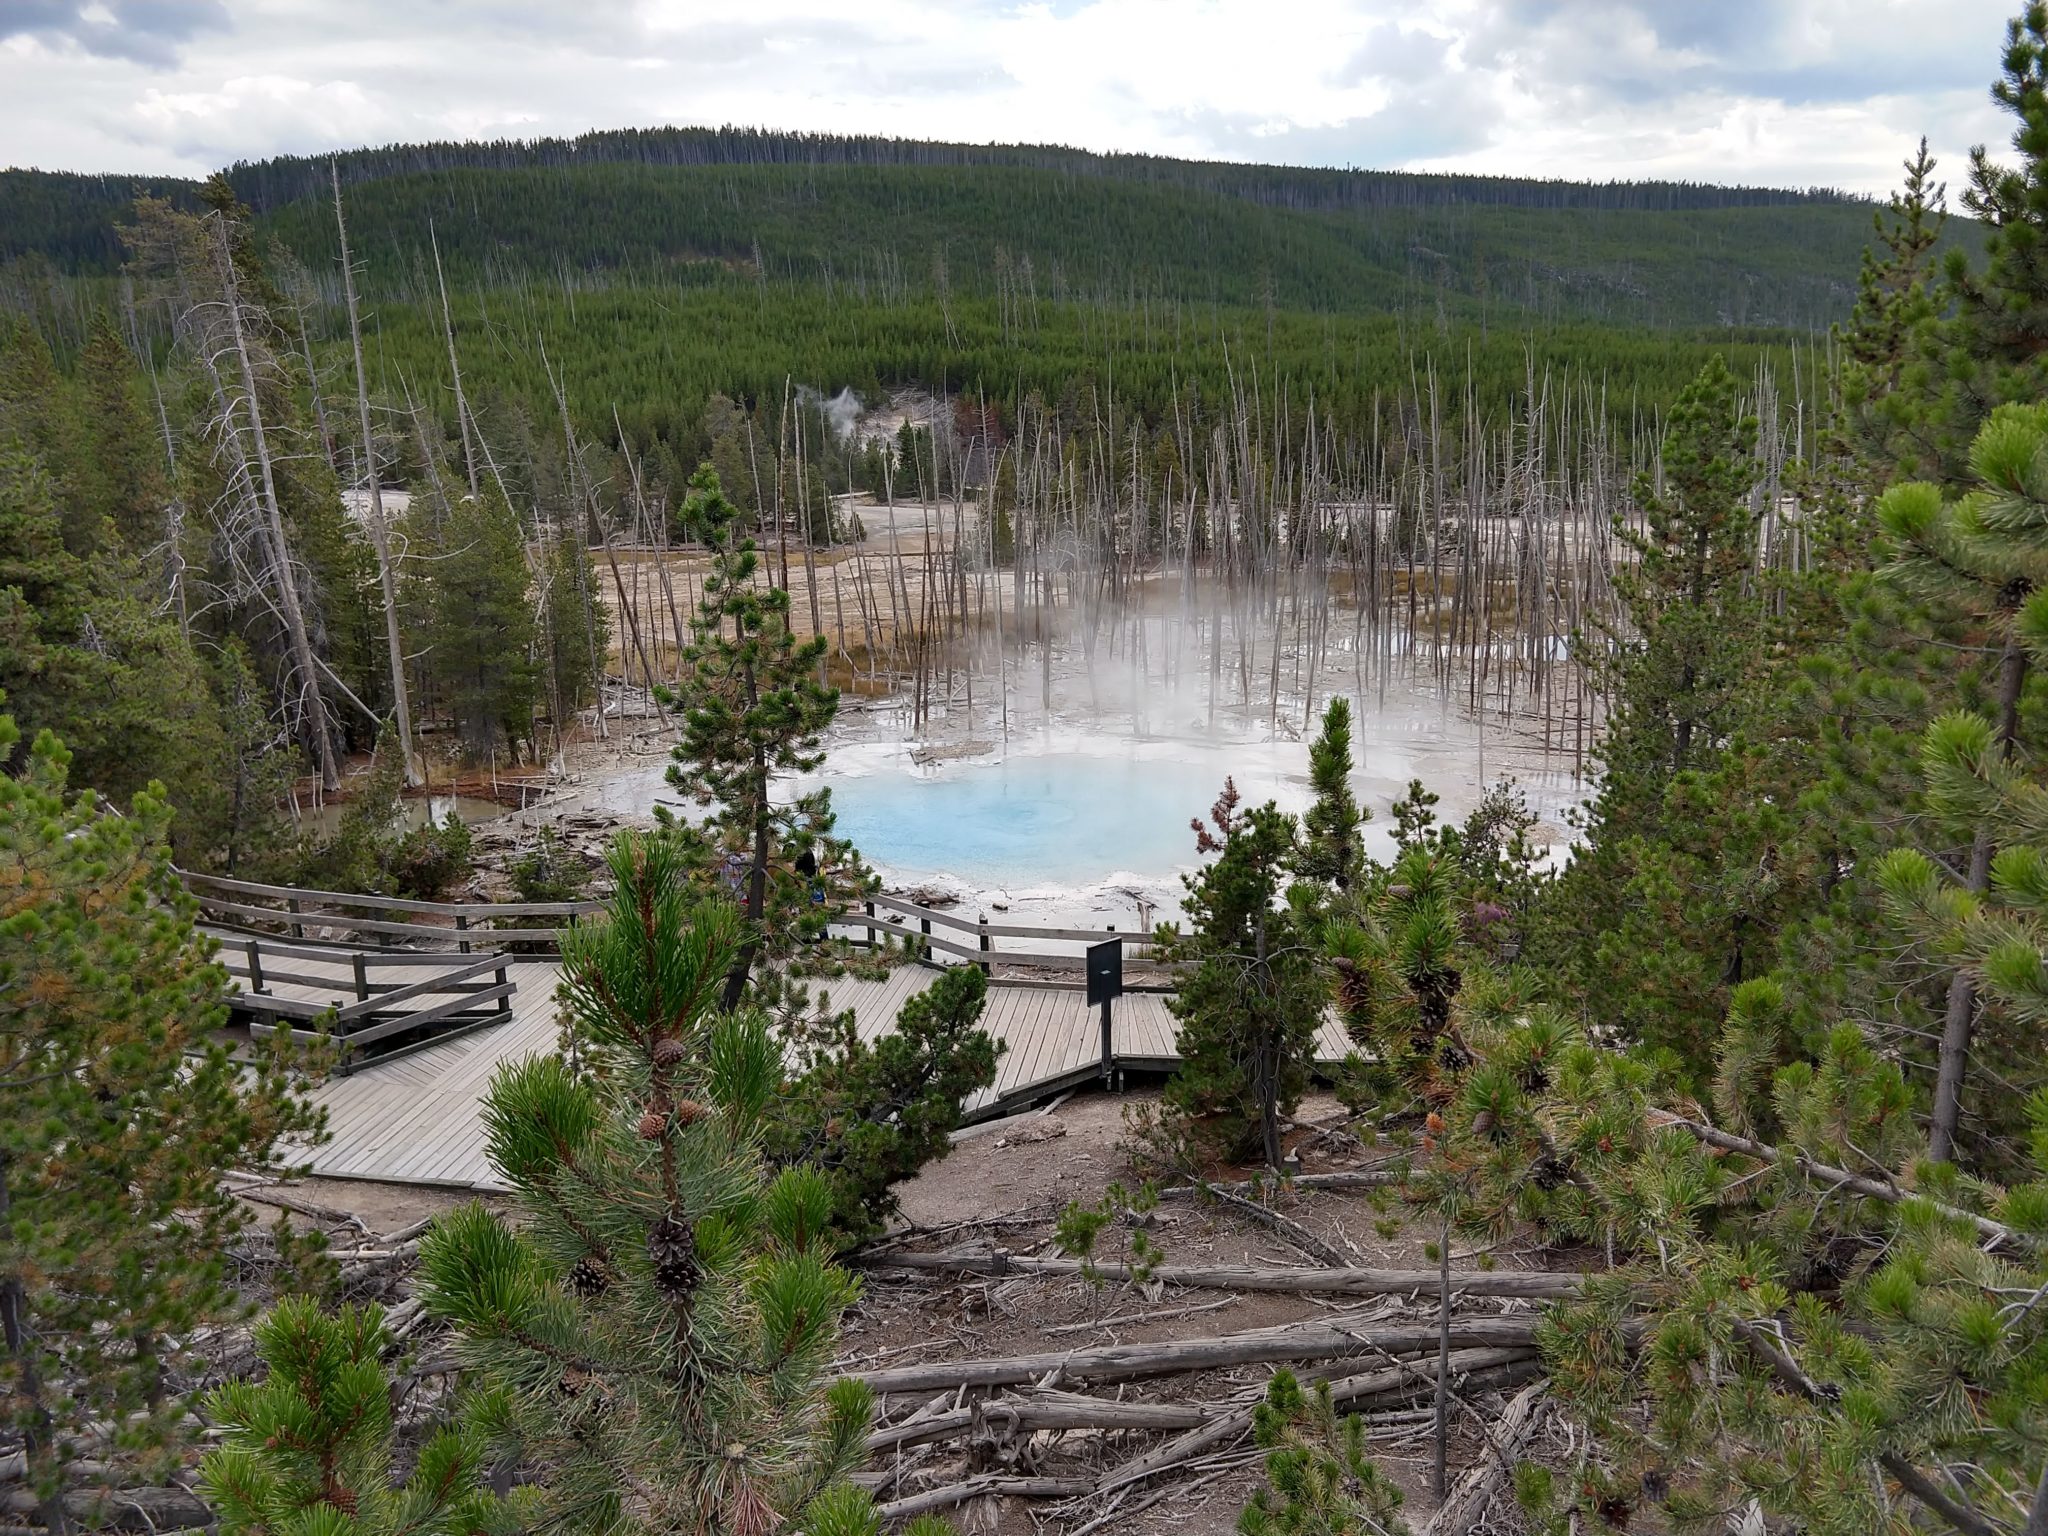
<point x="1003" y="1186"/>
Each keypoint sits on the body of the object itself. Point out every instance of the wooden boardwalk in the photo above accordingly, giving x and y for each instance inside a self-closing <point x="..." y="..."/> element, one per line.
<point x="417" y="1119"/>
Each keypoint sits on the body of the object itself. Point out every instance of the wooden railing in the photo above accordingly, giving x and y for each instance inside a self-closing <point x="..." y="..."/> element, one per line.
<point x="352" y="997"/>
<point x="912" y="924"/>
<point x="389" y="923"/>
<point x="344" y="917"/>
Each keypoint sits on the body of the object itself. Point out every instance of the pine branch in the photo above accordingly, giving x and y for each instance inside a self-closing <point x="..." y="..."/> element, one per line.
<point x="1958" y="1514"/>
<point x="1855" y="1183"/>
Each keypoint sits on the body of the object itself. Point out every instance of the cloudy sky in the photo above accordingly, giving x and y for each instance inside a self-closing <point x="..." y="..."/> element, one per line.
<point x="1782" y="92"/>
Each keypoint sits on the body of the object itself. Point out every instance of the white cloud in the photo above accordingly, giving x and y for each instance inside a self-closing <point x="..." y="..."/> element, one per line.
<point x="1789" y="92"/>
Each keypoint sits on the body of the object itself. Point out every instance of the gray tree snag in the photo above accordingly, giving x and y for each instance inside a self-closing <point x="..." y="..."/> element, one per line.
<point x="311" y="697"/>
<point x="380" y="533"/>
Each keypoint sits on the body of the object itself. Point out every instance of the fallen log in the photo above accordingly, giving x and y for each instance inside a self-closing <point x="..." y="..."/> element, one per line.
<point x="1855" y="1183"/>
<point x="1260" y="1346"/>
<point x="1065" y="1411"/>
<point x="1466" y="1366"/>
<point x="128" y="1509"/>
<point x="1074" y="1410"/>
<point x="1364" y="1178"/>
<point x="979" y="1487"/>
<point x="1469" y="1497"/>
<point x="1342" y="1281"/>
<point x="388" y="1254"/>
<point x="408" y="1232"/>
<point x="1210" y="1425"/>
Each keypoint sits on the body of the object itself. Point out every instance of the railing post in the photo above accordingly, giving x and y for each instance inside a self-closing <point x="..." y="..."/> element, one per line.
<point x="1108" y="1024"/>
<point x="982" y="919"/>
<point x="869" y="907"/>
<point x="924" y="926"/>
<point x="462" y="926"/>
<point x="292" y="906"/>
<point x="505" y="1002"/>
<point x="255" y="967"/>
<point x="362" y="978"/>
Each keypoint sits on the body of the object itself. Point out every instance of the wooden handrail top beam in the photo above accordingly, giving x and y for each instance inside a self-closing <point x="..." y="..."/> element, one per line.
<point x="394" y="903"/>
<point x="1133" y="937"/>
<point x="315" y="907"/>
<point x="343" y="921"/>
<point x="233" y="943"/>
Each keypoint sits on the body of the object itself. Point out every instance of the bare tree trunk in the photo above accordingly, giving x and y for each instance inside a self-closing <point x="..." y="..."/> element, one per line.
<point x="1443" y="1360"/>
<point x="1466" y="1503"/>
<point x="1960" y="1020"/>
<point x="38" y="1434"/>
<point x="584" y="595"/>
<point x="2037" y="1516"/>
<point x="1316" y="1340"/>
<point x="287" y="589"/>
<point x="174" y="513"/>
<point x="313" y="388"/>
<point x="380" y="533"/>
<point x="454" y="364"/>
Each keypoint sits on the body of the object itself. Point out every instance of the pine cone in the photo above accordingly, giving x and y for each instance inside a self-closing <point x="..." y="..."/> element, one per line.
<point x="672" y="1249"/>
<point x="588" y="1278"/>
<point x="668" y="1052"/>
<point x="689" y="1112"/>
<point x="652" y="1124"/>
<point x="590" y="1398"/>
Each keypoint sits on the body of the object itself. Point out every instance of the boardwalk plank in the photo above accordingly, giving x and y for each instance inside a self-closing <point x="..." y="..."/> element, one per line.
<point x="420" y="1117"/>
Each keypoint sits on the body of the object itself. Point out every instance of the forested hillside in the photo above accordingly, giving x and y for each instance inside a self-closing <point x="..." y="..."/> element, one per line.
<point x="891" y="218"/>
<point x="887" y="233"/>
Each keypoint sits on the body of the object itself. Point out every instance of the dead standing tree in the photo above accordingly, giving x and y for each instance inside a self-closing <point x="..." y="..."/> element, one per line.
<point x="305" y="669"/>
<point x="380" y="531"/>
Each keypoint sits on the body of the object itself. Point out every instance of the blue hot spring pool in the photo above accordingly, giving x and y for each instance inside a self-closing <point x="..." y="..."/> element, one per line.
<point x="1056" y="819"/>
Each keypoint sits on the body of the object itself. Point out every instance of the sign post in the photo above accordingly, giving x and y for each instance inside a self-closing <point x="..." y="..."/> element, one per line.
<point x="1106" y="983"/>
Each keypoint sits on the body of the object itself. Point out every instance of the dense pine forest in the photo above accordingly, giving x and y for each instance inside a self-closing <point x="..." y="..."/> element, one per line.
<point x="1722" y="1133"/>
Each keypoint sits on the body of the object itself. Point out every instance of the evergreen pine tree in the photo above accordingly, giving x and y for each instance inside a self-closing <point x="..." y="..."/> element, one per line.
<point x="1738" y="1354"/>
<point x="1989" y="352"/>
<point x="1682" y="679"/>
<point x="249" y="833"/>
<point x="1331" y="852"/>
<point x="119" y="1106"/>
<point x="308" y="1450"/>
<point x="1677" y="682"/>
<point x="869" y="1114"/>
<point x="1400" y="960"/>
<point x="1980" y="559"/>
<point x="121" y="480"/>
<point x="36" y="420"/>
<point x="754" y="707"/>
<point x="661" y="1318"/>
<point x="575" y="631"/>
<point x="82" y="654"/>
<point x="1881" y="387"/>
<point x="1250" y="998"/>
<point x="1320" y="1478"/>
<point x="479" y="631"/>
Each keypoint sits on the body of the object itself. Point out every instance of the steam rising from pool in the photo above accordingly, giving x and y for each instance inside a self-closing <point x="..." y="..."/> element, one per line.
<point x="1082" y="817"/>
